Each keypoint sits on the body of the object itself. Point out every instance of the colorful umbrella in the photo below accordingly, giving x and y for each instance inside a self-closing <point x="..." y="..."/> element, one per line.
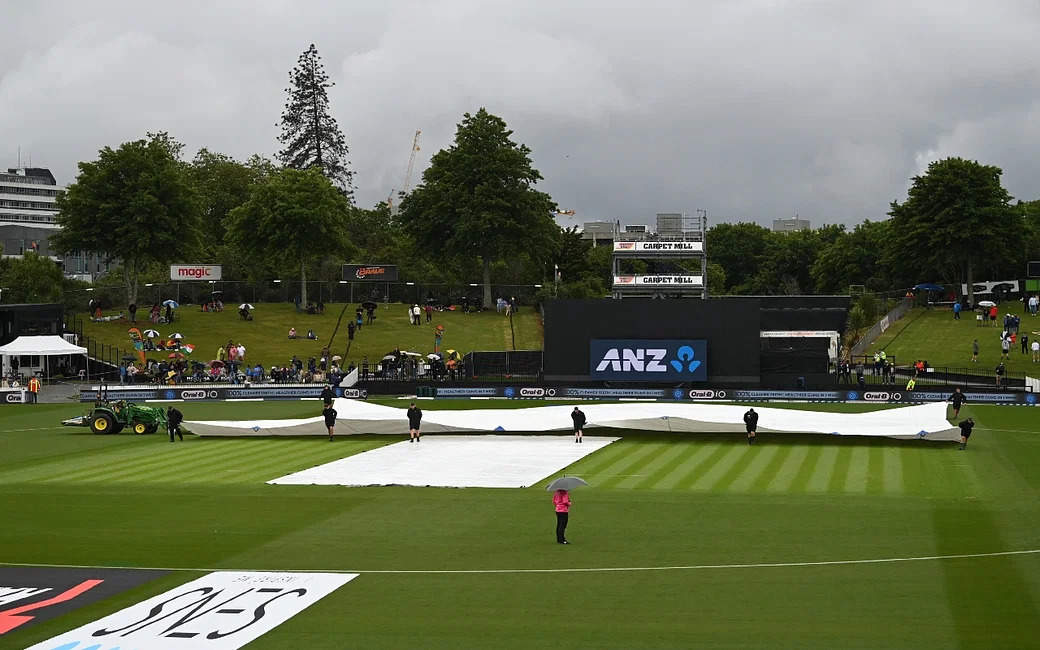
<point x="170" y="303"/>
<point x="177" y="336"/>
<point x="151" y="334"/>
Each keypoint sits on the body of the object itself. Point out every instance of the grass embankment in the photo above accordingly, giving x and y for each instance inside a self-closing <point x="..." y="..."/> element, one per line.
<point x="934" y="335"/>
<point x="657" y="500"/>
<point x="266" y="336"/>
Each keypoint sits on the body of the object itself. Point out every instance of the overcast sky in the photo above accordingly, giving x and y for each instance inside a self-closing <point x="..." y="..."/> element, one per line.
<point x="749" y="109"/>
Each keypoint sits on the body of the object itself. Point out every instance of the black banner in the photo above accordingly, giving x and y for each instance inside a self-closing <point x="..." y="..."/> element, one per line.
<point x="32" y="594"/>
<point x="370" y="272"/>
<point x="220" y="392"/>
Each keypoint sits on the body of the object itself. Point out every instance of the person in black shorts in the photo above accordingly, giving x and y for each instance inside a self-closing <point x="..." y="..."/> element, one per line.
<point x="958" y="399"/>
<point x="966" y="426"/>
<point x="579" y="423"/>
<point x="751" y="424"/>
<point x="173" y="423"/>
<point x="330" y="419"/>
<point x="327" y="395"/>
<point x="414" y="420"/>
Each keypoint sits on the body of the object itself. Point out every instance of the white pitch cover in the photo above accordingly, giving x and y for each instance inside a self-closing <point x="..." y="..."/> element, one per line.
<point x="220" y="611"/>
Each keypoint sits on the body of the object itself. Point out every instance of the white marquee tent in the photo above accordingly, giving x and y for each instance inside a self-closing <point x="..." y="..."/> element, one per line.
<point x="41" y="346"/>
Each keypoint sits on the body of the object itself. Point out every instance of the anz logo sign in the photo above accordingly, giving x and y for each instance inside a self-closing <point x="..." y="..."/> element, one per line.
<point x="648" y="359"/>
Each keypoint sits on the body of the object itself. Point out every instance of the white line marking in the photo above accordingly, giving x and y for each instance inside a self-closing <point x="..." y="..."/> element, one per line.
<point x="687" y="567"/>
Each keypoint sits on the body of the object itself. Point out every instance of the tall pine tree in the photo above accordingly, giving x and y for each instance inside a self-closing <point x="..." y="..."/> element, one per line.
<point x="310" y="135"/>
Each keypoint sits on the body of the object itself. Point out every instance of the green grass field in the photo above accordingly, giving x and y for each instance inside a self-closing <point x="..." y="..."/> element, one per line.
<point x="266" y="337"/>
<point x="680" y="510"/>
<point x="933" y="335"/>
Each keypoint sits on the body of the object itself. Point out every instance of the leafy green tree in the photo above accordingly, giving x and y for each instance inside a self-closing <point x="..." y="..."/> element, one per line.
<point x="134" y="204"/>
<point x="716" y="280"/>
<point x="31" y="278"/>
<point x="740" y="249"/>
<point x="310" y="134"/>
<point x="956" y="216"/>
<point x="477" y="199"/>
<point x="222" y="184"/>
<point x="294" y="215"/>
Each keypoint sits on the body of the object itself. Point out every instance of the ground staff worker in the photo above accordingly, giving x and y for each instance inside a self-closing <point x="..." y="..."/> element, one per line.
<point x="34" y="389"/>
<point x="579" y="423"/>
<point x="958" y="399"/>
<point x="330" y="418"/>
<point x="173" y="422"/>
<point x="414" y="419"/>
<point x="966" y="427"/>
<point x="751" y="424"/>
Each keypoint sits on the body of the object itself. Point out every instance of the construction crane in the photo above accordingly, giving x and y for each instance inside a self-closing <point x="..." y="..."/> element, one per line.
<point x="408" y="174"/>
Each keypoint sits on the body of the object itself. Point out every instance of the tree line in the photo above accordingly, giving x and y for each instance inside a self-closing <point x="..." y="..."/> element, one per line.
<point x="477" y="214"/>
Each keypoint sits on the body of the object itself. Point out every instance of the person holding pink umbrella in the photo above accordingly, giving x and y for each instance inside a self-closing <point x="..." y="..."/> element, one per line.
<point x="562" y="503"/>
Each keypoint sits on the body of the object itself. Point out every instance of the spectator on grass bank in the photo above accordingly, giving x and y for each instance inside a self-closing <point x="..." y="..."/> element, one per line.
<point x="999" y="371"/>
<point x="1035" y="347"/>
<point x="1024" y="339"/>
<point x="751" y="424"/>
<point x="562" y="505"/>
<point x="429" y="312"/>
<point x="958" y="399"/>
<point x="993" y="315"/>
<point x="358" y="319"/>
<point x="132" y="309"/>
<point x="975" y="351"/>
<point x="1005" y="345"/>
<point x="292" y="333"/>
<point x="578" y="418"/>
<point x="414" y="420"/>
<point x="966" y="427"/>
<point x="370" y="312"/>
<point x="956" y="311"/>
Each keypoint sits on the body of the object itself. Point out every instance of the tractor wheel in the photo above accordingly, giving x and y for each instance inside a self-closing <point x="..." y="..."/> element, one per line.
<point x="103" y="423"/>
<point x="152" y="428"/>
<point x="140" y="428"/>
<point x="117" y="427"/>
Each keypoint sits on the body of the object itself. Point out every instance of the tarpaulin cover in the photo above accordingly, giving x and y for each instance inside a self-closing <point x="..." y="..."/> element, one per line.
<point x="358" y="416"/>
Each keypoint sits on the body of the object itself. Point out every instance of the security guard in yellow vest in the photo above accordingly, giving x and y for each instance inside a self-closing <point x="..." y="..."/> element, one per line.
<point x="34" y="389"/>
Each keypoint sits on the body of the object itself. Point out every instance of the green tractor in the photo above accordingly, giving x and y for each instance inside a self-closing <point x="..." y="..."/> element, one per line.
<point x="112" y="417"/>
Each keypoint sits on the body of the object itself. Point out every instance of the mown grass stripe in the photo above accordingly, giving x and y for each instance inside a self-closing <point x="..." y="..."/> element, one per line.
<point x="717" y="454"/>
<point x="765" y="478"/>
<point x="686" y="471"/>
<point x="796" y="464"/>
<point x="144" y="455"/>
<point x="685" y="449"/>
<point x="255" y="462"/>
<point x="841" y="469"/>
<point x="734" y="454"/>
<point x="822" y="469"/>
<point x="856" y="470"/>
<point x="667" y="455"/>
<point x="762" y="456"/>
<point x="876" y="470"/>
<point x="613" y="475"/>
<point x="595" y="462"/>
<point x="893" y="470"/>
<point x="89" y="463"/>
<point x="162" y="457"/>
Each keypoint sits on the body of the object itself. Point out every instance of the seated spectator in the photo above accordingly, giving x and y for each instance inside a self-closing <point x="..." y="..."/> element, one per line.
<point x="311" y="335"/>
<point x="292" y="332"/>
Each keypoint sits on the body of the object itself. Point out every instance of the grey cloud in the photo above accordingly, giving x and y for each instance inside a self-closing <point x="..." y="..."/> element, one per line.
<point x="756" y="109"/>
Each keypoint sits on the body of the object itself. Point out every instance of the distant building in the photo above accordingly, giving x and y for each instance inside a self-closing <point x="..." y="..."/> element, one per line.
<point x="791" y="225"/>
<point x="28" y="217"/>
<point x="601" y="233"/>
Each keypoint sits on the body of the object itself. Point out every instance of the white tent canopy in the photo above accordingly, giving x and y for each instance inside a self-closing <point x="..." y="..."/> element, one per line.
<point x="42" y="346"/>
